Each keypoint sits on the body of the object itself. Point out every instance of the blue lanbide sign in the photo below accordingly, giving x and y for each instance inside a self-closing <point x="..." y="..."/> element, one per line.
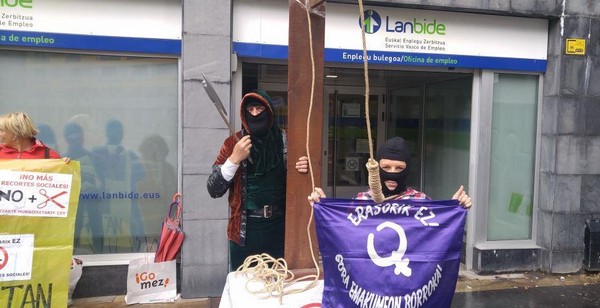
<point x="90" y="42"/>
<point x="398" y="58"/>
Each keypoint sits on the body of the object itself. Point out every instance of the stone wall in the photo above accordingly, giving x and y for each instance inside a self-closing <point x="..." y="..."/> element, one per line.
<point x="570" y="145"/>
<point x="206" y="49"/>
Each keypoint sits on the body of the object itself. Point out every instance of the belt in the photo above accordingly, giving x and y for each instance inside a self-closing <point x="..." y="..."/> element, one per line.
<point x="267" y="211"/>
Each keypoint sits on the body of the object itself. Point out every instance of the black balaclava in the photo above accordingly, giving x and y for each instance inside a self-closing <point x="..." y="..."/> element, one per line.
<point x="266" y="153"/>
<point x="259" y="125"/>
<point x="394" y="149"/>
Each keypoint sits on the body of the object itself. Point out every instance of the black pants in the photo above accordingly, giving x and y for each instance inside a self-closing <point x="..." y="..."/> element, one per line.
<point x="262" y="236"/>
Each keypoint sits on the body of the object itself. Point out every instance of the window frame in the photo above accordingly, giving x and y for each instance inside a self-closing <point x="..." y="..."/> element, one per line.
<point x="480" y="162"/>
<point x="125" y="258"/>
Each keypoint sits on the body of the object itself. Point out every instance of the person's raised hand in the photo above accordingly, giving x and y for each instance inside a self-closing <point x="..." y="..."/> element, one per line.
<point x="302" y="164"/>
<point x="463" y="199"/>
<point x="316" y="196"/>
<point x="241" y="150"/>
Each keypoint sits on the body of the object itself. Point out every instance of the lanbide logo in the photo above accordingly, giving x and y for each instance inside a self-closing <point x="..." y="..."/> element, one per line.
<point x="148" y="280"/>
<point x="372" y="21"/>
<point x="26" y="4"/>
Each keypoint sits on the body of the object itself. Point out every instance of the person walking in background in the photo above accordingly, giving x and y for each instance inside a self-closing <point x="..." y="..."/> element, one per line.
<point x="18" y="139"/>
<point x="46" y="136"/>
<point x="89" y="213"/>
<point x="252" y="166"/>
<point x="160" y="183"/>
<point x="121" y="170"/>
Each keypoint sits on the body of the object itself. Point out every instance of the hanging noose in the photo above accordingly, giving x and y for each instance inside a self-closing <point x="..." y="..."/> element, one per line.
<point x="372" y="165"/>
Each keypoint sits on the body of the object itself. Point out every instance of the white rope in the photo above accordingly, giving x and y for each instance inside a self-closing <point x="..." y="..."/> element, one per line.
<point x="372" y="165"/>
<point x="273" y="274"/>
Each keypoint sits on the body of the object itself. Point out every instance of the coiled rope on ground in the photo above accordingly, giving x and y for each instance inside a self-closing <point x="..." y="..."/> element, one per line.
<point x="273" y="274"/>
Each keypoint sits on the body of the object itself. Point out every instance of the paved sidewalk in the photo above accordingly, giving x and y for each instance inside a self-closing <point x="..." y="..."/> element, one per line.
<point x="511" y="286"/>
<point x="119" y="301"/>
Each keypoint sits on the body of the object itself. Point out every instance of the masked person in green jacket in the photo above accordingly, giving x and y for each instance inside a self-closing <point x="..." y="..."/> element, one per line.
<point x="252" y="166"/>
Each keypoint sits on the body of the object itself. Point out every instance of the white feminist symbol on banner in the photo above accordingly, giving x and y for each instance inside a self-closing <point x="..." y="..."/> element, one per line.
<point x="397" y="256"/>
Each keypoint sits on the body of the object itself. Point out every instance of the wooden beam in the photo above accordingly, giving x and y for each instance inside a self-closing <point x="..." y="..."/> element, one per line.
<point x="317" y="3"/>
<point x="299" y="186"/>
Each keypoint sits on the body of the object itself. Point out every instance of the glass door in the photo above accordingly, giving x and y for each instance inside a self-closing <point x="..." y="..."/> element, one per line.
<point x="434" y="118"/>
<point x="404" y="119"/>
<point x="447" y="131"/>
<point x="345" y="138"/>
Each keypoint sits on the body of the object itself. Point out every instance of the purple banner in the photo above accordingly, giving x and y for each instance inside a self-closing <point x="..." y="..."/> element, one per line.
<point x="400" y="253"/>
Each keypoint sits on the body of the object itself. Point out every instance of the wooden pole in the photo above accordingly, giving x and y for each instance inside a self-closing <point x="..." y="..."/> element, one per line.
<point x="300" y="72"/>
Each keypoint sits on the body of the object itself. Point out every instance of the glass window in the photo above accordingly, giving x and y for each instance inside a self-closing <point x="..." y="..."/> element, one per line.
<point x="348" y="140"/>
<point x="512" y="161"/>
<point x="435" y="120"/>
<point x="447" y="136"/>
<point x="405" y="111"/>
<point x="117" y="116"/>
<point x="279" y="100"/>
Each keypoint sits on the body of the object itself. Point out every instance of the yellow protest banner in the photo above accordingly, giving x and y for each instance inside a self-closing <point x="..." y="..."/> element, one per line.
<point x="38" y="206"/>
